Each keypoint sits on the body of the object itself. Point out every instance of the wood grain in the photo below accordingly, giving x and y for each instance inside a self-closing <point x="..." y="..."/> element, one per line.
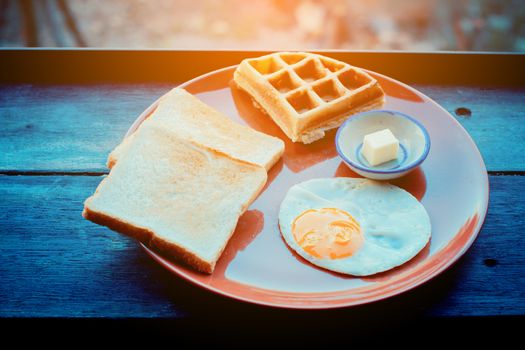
<point x="72" y="128"/>
<point x="69" y="127"/>
<point x="495" y="121"/>
<point x="93" y="65"/>
<point x="53" y="263"/>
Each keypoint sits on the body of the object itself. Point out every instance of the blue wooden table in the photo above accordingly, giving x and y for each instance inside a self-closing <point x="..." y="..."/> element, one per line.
<point x="63" y="111"/>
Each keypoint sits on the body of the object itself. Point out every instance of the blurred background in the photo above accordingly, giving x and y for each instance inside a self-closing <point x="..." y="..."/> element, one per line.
<point x="412" y="25"/>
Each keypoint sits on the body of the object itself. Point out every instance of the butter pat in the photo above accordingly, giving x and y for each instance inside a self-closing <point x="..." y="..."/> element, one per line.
<point x="380" y="147"/>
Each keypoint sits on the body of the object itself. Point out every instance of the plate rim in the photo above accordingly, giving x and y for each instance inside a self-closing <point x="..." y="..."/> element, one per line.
<point x="340" y="303"/>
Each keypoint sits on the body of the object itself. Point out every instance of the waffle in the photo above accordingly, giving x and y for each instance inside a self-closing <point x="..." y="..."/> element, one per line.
<point x="307" y="94"/>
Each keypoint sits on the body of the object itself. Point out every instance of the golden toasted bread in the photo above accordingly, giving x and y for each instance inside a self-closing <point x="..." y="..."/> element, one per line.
<point x="175" y="195"/>
<point x="185" y="115"/>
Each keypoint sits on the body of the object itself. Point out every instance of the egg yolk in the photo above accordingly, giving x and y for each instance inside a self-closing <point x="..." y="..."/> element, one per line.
<point x="327" y="233"/>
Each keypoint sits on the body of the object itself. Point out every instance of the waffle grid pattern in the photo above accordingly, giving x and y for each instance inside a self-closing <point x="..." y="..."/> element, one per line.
<point x="310" y="82"/>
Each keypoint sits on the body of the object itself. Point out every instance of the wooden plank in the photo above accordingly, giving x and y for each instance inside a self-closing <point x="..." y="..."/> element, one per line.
<point x="142" y="66"/>
<point x="63" y="266"/>
<point x="67" y="128"/>
<point x="492" y="271"/>
<point x="494" y="118"/>
<point x="74" y="127"/>
<point x="53" y="263"/>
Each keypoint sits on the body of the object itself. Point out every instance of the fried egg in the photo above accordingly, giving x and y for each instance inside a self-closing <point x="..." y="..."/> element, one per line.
<point x="353" y="226"/>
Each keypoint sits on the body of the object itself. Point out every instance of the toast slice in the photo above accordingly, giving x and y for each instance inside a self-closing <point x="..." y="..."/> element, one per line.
<point x="178" y="197"/>
<point x="307" y="94"/>
<point x="185" y="115"/>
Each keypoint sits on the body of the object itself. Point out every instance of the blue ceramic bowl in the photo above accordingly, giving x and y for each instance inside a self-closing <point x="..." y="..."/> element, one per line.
<point x="414" y="143"/>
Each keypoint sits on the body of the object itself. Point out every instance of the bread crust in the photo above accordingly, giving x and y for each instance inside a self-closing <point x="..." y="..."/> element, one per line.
<point x="165" y="246"/>
<point x="148" y="238"/>
<point x="157" y="244"/>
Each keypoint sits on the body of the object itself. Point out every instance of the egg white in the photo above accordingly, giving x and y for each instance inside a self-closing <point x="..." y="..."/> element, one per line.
<point x="395" y="224"/>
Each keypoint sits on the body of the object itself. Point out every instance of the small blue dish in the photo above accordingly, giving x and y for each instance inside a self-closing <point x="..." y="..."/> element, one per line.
<point x="414" y="143"/>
